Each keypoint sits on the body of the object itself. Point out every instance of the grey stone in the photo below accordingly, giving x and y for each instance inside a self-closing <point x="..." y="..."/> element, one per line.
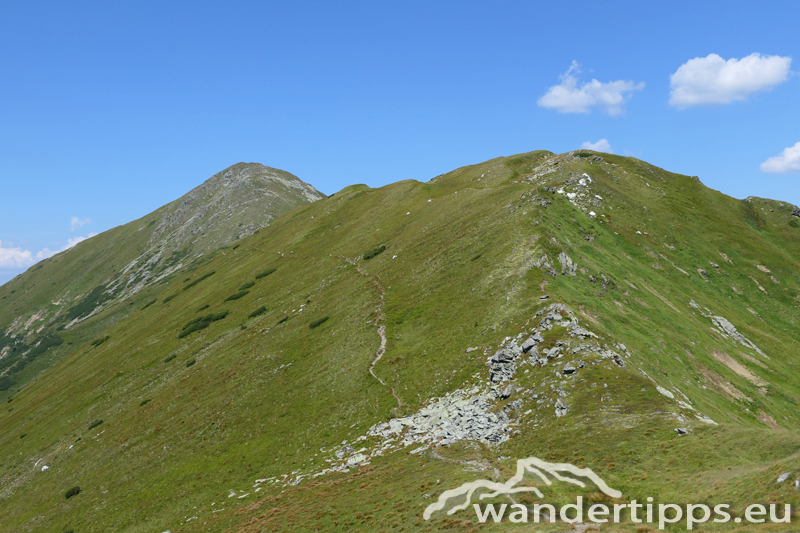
<point x="569" y="369"/>
<point x="561" y="408"/>
<point x="783" y="477"/>
<point x="681" y="431"/>
<point x="528" y="344"/>
<point x="568" y="267"/>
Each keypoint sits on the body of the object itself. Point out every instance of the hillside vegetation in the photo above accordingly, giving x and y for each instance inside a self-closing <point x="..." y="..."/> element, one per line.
<point x="343" y="366"/>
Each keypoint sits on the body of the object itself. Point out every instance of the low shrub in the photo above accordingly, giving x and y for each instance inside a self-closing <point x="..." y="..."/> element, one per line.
<point x="170" y="358"/>
<point x="190" y="362"/>
<point x="201" y="323"/>
<point x="284" y="319"/>
<point x="101" y="340"/>
<point x="203" y="307"/>
<point x="74" y="491"/>
<point x="198" y="280"/>
<point x="375" y="251"/>
<point x="236" y="296"/>
<point x="144" y="402"/>
<point x="247" y="285"/>
<point x="318" y="322"/>
<point x="6" y="383"/>
<point x="170" y="298"/>
<point x="583" y="154"/>
<point x="258" y="312"/>
<point x="148" y="304"/>
<point x="265" y="273"/>
<point x="96" y="423"/>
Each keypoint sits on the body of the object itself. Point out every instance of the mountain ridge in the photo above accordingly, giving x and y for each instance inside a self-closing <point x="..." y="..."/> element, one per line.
<point x="296" y="389"/>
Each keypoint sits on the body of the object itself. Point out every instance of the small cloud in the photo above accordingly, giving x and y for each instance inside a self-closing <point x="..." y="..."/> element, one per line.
<point x="568" y="98"/>
<point x="75" y="223"/>
<point x="711" y="80"/>
<point x="47" y="252"/>
<point x="15" y="257"/>
<point x="786" y="163"/>
<point x="600" y="146"/>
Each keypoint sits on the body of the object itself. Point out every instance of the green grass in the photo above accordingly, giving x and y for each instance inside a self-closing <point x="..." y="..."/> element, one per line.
<point x="266" y="399"/>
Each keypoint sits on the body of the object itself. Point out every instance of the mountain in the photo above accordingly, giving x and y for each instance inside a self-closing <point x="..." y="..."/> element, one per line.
<point x="78" y="293"/>
<point x="348" y="364"/>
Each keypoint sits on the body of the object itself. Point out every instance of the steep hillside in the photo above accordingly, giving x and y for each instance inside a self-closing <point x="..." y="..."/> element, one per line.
<point x="363" y="354"/>
<point x="75" y="295"/>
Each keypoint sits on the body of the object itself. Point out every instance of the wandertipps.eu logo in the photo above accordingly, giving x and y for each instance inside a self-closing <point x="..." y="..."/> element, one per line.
<point x="454" y="500"/>
<point x="647" y="512"/>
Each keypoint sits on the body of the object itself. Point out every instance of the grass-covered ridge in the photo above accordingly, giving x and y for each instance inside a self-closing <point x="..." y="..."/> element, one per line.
<point x="280" y="397"/>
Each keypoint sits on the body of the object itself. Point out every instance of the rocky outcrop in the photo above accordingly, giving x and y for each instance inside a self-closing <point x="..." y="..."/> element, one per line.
<point x="568" y="267"/>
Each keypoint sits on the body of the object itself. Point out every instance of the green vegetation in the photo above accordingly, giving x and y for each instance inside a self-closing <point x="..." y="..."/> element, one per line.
<point x="200" y="323"/>
<point x="317" y="322"/>
<point x="6" y="383"/>
<point x="237" y="295"/>
<point x="272" y="400"/>
<point x="95" y="423"/>
<point x="170" y="298"/>
<point x="190" y="362"/>
<point x="583" y="154"/>
<point x="258" y="312"/>
<point x="265" y="273"/>
<point x="148" y="304"/>
<point x="198" y="280"/>
<point x="97" y="342"/>
<point x="145" y="402"/>
<point x="374" y="252"/>
<point x="284" y="319"/>
<point x="170" y="357"/>
<point x="203" y="307"/>
<point x="247" y="285"/>
<point x="74" y="491"/>
<point x="95" y="298"/>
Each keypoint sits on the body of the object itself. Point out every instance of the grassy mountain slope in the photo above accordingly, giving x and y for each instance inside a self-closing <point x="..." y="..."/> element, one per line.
<point x="72" y="297"/>
<point x="234" y="378"/>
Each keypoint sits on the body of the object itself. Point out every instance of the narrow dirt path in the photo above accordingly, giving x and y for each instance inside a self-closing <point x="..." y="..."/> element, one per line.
<point x="378" y="322"/>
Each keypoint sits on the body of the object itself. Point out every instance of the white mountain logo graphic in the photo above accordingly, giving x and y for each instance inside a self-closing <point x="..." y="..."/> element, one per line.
<point x="559" y="471"/>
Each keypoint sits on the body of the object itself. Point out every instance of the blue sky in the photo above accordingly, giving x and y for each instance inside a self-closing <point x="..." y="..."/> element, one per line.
<point x="109" y="110"/>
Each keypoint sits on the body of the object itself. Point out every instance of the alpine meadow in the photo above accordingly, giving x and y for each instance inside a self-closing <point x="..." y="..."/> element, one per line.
<point x="256" y="356"/>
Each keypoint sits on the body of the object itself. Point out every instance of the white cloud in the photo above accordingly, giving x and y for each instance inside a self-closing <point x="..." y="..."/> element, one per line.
<point x="600" y="146"/>
<point x="76" y="223"/>
<point x="47" y="252"/>
<point x="787" y="162"/>
<point x="15" y="257"/>
<point x="568" y="98"/>
<point x="711" y="80"/>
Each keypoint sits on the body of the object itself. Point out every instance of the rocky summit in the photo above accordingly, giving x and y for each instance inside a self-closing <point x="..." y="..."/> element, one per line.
<point x="258" y="357"/>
